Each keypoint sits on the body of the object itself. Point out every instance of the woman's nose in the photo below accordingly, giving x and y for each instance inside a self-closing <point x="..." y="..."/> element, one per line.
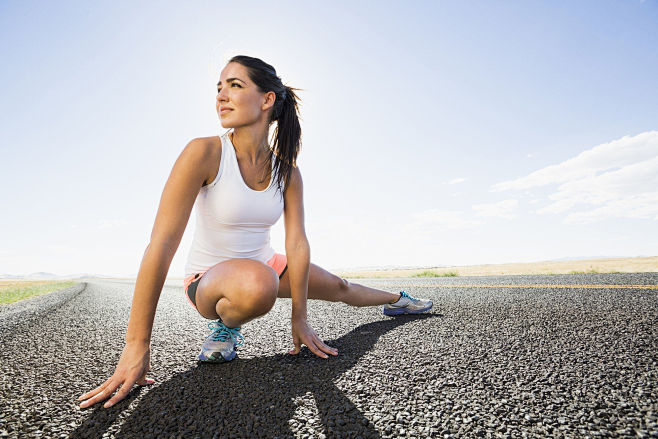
<point x="221" y="95"/>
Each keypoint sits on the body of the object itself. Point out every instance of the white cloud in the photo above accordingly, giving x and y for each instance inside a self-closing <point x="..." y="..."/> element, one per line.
<point x="631" y="182"/>
<point x="501" y="209"/>
<point x="641" y="206"/>
<point x="457" y="180"/>
<point x="614" y="155"/>
<point x="613" y="180"/>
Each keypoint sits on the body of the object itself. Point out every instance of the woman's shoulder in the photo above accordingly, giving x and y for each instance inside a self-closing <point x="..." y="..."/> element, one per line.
<point x="209" y="143"/>
<point x="210" y="150"/>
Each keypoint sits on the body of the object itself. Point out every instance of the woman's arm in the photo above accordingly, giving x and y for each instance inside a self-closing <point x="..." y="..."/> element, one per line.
<point x="180" y="191"/>
<point x="298" y="253"/>
<point x="183" y="184"/>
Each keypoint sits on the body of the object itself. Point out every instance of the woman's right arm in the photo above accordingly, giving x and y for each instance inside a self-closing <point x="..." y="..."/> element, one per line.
<point x="180" y="191"/>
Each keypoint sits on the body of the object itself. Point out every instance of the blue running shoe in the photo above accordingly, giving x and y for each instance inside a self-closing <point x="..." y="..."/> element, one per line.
<point x="407" y="304"/>
<point x="219" y="346"/>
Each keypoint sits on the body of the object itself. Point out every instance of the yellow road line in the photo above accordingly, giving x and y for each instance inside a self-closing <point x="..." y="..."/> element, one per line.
<point x="611" y="287"/>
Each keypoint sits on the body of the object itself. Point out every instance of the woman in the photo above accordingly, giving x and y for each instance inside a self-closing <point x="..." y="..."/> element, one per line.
<point x="240" y="186"/>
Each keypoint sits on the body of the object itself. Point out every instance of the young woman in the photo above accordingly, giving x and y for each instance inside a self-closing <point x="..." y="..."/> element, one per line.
<point x="240" y="185"/>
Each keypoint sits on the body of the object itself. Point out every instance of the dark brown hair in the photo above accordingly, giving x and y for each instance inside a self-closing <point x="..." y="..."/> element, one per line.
<point x="287" y="137"/>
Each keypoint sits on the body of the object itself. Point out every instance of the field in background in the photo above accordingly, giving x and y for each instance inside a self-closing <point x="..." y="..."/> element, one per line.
<point x="610" y="265"/>
<point x="14" y="290"/>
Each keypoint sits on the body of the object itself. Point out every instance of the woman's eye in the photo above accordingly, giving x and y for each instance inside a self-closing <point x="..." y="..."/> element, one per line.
<point x="235" y="83"/>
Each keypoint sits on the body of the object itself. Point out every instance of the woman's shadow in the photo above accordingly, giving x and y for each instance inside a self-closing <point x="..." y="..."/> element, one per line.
<point x="252" y="397"/>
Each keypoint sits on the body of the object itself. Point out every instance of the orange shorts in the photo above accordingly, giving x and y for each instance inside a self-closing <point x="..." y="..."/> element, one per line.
<point x="278" y="262"/>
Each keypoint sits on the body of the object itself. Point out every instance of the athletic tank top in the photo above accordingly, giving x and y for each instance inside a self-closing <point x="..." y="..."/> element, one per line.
<point x="232" y="220"/>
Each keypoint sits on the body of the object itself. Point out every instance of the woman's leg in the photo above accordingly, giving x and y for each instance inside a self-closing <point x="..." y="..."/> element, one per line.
<point x="238" y="290"/>
<point x="324" y="285"/>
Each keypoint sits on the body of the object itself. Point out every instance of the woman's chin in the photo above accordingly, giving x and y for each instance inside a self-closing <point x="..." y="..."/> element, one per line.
<point x="225" y="123"/>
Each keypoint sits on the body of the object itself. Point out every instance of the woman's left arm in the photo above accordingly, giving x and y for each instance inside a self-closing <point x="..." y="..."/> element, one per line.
<point x="298" y="253"/>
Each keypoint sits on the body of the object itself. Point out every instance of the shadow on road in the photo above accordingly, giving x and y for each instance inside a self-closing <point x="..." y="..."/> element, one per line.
<point x="252" y="397"/>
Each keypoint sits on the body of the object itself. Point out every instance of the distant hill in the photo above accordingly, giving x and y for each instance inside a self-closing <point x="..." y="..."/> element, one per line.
<point x="580" y="258"/>
<point x="51" y="276"/>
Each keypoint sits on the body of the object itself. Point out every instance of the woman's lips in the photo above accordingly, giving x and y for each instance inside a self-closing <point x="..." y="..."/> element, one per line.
<point x="225" y="110"/>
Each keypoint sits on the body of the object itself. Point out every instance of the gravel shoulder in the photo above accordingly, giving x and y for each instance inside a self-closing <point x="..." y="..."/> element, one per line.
<point x="13" y="313"/>
<point x="486" y="362"/>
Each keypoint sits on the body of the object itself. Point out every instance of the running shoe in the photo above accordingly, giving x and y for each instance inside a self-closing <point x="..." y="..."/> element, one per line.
<point x="220" y="345"/>
<point x="407" y="304"/>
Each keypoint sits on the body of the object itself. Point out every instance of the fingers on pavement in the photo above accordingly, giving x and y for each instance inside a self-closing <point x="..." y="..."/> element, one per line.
<point x="121" y="394"/>
<point x="100" y="394"/>
<point x="316" y="347"/>
<point x="93" y="394"/>
<point x="97" y="395"/>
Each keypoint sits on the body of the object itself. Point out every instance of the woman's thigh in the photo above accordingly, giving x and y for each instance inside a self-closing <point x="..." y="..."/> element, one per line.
<point x="322" y="285"/>
<point x="244" y="282"/>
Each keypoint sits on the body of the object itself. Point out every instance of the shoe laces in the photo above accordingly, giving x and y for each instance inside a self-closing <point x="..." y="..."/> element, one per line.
<point x="408" y="296"/>
<point x="221" y="332"/>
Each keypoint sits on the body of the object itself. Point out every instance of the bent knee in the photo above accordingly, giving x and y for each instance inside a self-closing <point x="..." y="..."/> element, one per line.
<point x="258" y="294"/>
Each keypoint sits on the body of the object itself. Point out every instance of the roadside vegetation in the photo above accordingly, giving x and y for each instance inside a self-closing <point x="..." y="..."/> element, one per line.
<point x="13" y="291"/>
<point x="428" y="273"/>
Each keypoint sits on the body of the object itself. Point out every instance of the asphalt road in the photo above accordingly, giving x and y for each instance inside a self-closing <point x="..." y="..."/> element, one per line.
<point x="514" y="356"/>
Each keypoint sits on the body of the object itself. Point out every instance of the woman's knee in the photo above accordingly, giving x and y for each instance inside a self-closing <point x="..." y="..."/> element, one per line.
<point x="340" y="290"/>
<point x="255" y="290"/>
<point x="258" y="294"/>
<point x="250" y="286"/>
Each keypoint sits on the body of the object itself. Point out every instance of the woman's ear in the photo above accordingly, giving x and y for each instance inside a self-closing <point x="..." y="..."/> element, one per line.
<point x="268" y="102"/>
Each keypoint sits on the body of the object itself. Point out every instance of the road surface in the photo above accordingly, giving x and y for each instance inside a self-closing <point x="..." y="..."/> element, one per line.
<point x="513" y="356"/>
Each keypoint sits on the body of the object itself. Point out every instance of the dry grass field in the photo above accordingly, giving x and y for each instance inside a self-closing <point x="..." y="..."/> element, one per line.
<point x="6" y="284"/>
<point x="12" y="290"/>
<point x="611" y="265"/>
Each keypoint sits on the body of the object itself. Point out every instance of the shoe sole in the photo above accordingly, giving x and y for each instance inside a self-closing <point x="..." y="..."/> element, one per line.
<point x="217" y="359"/>
<point x="399" y="311"/>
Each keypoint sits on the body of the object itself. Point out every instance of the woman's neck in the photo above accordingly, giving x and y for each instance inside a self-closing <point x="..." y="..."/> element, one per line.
<point x="250" y="144"/>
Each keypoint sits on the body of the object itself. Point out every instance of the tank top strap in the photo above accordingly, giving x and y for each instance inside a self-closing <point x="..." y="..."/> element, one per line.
<point x="229" y="156"/>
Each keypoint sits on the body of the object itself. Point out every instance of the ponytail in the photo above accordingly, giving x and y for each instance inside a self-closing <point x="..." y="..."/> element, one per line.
<point x="287" y="135"/>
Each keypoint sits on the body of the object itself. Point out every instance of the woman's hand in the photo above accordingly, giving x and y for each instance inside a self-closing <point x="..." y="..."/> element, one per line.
<point x="132" y="368"/>
<point x="302" y="333"/>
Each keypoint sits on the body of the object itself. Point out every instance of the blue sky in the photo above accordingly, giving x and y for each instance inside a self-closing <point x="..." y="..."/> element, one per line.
<point x="434" y="133"/>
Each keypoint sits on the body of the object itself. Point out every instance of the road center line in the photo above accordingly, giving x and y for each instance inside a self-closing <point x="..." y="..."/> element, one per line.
<point x="575" y="286"/>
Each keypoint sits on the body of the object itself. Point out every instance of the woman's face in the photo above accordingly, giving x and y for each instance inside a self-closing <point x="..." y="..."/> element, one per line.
<point x="239" y="102"/>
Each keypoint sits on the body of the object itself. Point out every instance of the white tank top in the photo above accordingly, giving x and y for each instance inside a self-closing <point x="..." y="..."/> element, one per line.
<point x="232" y="220"/>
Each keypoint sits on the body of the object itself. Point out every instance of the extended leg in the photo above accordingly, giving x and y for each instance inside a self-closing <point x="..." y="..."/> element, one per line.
<point x="323" y="285"/>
